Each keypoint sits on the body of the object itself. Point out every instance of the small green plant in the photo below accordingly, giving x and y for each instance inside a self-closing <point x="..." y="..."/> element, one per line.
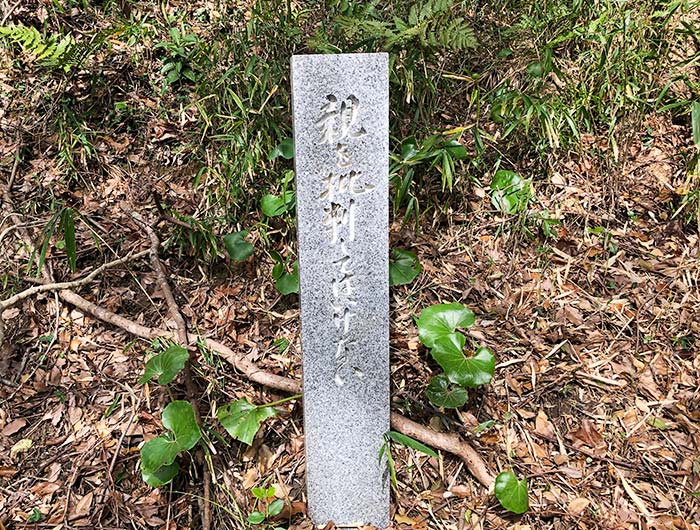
<point x="46" y="51"/>
<point x="285" y="149"/>
<point x="62" y="221"/>
<point x="271" y="508"/>
<point x="35" y="517"/>
<point x="165" y="365"/>
<point x="511" y="492"/>
<point x="241" y="419"/>
<point x="179" y="59"/>
<point x="510" y="193"/>
<point x="404" y="267"/>
<point x="286" y="282"/>
<point x="158" y="466"/>
<point x="56" y="50"/>
<point x="430" y="24"/>
<point x="416" y="158"/>
<point x="237" y="247"/>
<point x="276" y="205"/>
<point x="437" y="330"/>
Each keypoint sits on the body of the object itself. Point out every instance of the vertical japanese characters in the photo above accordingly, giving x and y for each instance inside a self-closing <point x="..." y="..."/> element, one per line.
<point x="339" y="124"/>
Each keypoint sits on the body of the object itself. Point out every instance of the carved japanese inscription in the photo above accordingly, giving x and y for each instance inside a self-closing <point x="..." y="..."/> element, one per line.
<point x="340" y="105"/>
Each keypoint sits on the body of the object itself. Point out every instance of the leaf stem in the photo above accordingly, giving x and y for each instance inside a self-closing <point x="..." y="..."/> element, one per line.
<point x="275" y="403"/>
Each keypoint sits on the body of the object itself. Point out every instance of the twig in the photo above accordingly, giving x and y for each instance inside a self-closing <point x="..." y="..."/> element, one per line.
<point x="448" y="442"/>
<point x="159" y="269"/>
<point x="9" y="12"/>
<point x="4" y="304"/>
<point x="15" y="165"/>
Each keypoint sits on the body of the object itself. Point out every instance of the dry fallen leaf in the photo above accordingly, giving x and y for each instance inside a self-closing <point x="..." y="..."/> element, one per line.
<point x="83" y="507"/>
<point x="578" y="505"/>
<point x="543" y="426"/>
<point x="14" y="426"/>
<point x="404" y="519"/>
<point x="21" y="447"/>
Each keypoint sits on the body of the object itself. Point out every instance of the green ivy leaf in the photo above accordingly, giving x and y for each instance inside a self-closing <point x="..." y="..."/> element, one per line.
<point x="511" y="492"/>
<point x="237" y="247"/>
<point x="166" y="365"/>
<point x="442" y="319"/>
<point x="404" y="267"/>
<point x="509" y="192"/>
<point x="158" y="465"/>
<point x="256" y="517"/>
<point x="160" y="476"/>
<point x="158" y="453"/>
<point x="285" y="149"/>
<point x="274" y="205"/>
<point x="442" y="393"/>
<point x="413" y="444"/>
<point x="178" y="417"/>
<point x="275" y="507"/>
<point x="456" y="150"/>
<point x="242" y="419"/>
<point x="464" y="371"/>
<point x="288" y="283"/>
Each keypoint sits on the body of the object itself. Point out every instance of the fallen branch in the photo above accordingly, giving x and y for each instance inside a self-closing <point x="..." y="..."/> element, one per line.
<point x="5" y="304"/>
<point x="448" y="442"/>
<point x="159" y="269"/>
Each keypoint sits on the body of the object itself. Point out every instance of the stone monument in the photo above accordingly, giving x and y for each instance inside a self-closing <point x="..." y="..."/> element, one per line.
<point x="341" y="140"/>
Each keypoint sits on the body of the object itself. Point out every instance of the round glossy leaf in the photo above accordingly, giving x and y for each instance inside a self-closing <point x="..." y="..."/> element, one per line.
<point x="277" y="270"/>
<point x="242" y="420"/>
<point x="157" y="453"/>
<point x="165" y="365"/>
<point x="237" y="247"/>
<point x="274" y="205"/>
<point x="408" y="148"/>
<point x="511" y="492"/>
<point x="178" y="417"/>
<point x="275" y="507"/>
<point x="448" y="352"/>
<point x="256" y="518"/>
<point x="456" y="150"/>
<point x="403" y="268"/>
<point x="509" y="192"/>
<point x="442" y="393"/>
<point x="442" y="319"/>
<point x="285" y="149"/>
<point x="288" y="283"/>
<point x="160" y="476"/>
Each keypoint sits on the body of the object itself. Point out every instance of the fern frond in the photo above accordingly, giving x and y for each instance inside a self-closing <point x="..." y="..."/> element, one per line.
<point x="456" y="35"/>
<point x="431" y="23"/>
<point x="368" y="29"/>
<point x="47" y="50"/>
<point x="54" y="51"/>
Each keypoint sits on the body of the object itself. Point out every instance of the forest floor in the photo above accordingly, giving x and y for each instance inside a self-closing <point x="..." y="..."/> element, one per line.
<point x="596" y="331"/>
